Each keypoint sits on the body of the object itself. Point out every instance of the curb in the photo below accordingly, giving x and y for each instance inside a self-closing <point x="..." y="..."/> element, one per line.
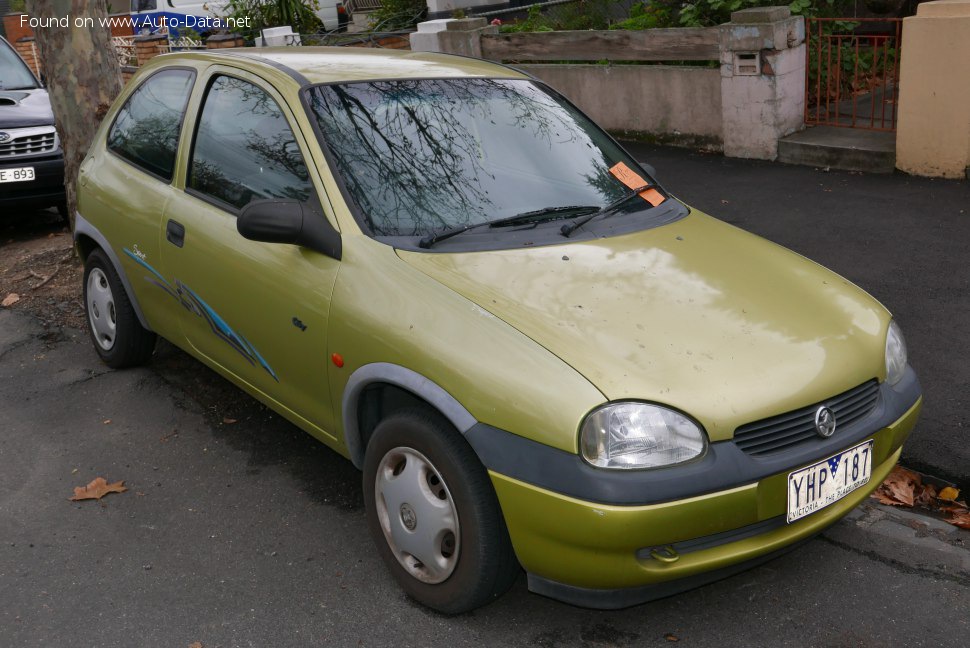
<point x="905" y="538"/>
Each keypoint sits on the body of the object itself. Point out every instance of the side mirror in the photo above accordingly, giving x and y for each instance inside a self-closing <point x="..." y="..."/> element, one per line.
<point x="289" y="221"/>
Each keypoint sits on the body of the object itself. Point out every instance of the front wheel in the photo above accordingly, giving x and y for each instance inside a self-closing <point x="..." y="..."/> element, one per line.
<point x="118" y="336"/>
<point x="434" y="515"/>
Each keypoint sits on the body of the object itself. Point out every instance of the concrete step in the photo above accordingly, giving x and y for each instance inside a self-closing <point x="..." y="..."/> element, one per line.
<point x="850" y="149"/>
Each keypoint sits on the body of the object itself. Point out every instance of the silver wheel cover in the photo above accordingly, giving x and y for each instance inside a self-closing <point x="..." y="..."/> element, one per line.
<point x="418" y="515"/>
<point x="101" y="309"/>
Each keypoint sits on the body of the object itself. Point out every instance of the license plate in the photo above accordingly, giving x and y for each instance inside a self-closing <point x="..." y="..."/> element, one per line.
<point x="21" y="174"/>
<point x="826" y="482"/>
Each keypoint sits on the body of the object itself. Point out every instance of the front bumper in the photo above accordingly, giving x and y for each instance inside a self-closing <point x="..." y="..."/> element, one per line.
<point x="609" y="556"/>
<point x="45" y="190"/>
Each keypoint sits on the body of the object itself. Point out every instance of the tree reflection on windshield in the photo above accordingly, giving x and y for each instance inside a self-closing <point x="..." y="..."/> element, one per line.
<point x="425" y="154"/>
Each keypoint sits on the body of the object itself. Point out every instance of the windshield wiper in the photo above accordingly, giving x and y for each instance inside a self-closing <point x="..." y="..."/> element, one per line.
<point x="534" y="216"/>
<point x="569" y="228"/>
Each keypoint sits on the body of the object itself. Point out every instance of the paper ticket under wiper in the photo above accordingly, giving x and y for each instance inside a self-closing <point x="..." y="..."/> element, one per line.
<point x="632" y="180"/>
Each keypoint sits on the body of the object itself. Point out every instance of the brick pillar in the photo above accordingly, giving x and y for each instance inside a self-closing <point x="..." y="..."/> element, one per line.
<point x="223" y="41"/>
<point x="27" y="49"/>
<point x="148" y="47"/>
<point x="762" y="80"/>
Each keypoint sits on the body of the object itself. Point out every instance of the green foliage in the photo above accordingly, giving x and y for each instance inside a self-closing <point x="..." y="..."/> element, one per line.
<point x="705" y="13"/>
<point x="274" y="13"/>
<point x="647" y="16"/>
<point x="398" y="14"/>
<point x="18" y="6"/>
<point x="584" y="14"/>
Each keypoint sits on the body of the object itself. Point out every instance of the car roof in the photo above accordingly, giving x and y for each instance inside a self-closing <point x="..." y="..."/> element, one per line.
<point x="312" y="65"/>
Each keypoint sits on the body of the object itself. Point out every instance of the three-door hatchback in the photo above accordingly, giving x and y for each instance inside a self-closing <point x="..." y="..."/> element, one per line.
<point x="535" y="353"/>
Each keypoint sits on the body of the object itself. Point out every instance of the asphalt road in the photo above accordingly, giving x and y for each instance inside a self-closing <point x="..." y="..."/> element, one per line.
<point x="250" y="533"/>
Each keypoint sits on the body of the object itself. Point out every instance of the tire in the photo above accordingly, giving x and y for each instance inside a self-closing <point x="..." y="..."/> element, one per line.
<point x="423" y="478"/>
<point x="118" y="336"/>
<point x="63" y="213"/>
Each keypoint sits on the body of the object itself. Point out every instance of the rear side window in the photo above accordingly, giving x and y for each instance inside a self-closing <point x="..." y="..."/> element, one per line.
<point x="244" y="149"/>
<point x="146" y="130"/>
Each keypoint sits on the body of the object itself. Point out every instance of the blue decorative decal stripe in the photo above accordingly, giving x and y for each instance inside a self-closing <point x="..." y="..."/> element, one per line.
<point x="195" y="304"/>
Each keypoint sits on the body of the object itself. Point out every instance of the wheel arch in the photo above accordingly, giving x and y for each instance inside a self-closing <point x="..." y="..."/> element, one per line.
<point x="378" y="388"/>
<point x="88" y="238"/>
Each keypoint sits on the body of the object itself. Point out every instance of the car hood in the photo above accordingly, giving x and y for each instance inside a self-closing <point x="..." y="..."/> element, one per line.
<point x="24" y="108"/>
<point x="697" y="315"/>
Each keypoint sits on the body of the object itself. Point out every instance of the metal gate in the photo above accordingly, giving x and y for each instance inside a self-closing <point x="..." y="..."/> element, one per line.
<point x="852" y="72"/>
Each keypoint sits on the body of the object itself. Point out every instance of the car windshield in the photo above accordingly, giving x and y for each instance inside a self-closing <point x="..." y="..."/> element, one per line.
<point x="423" y="155"/>
<point x="14" y="74"/>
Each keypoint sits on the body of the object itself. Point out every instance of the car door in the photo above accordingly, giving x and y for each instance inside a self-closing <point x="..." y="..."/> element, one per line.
<point x="255" y="311"/>
<point x="127" y="183"/>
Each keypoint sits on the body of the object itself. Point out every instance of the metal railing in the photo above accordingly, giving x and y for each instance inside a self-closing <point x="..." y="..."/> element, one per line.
<point x="852" y="72"/>
<point x="362" y="5"/>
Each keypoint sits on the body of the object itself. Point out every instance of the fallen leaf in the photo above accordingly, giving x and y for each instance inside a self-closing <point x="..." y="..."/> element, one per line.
<point x="961" y="519"/>
<point x="97" y="489"/>
<point x="671" y="637"/>
<point x="195" y="644"/>
<point x="107" y="421"/>
<point x="926" y="496"/>
<point x="228" y="421"/>
<point x="10" y="300"/>
<point x="882" y="498"/>
<point x="949" y="493"/>
<point x="900" y="486"/>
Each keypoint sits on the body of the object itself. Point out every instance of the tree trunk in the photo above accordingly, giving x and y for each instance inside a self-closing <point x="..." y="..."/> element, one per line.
<point x="82" y="73"/>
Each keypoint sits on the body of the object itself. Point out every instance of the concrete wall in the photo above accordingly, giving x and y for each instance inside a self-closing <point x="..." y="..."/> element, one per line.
<point x="678" y="104"/>
<point x="933" y="133"/>
<point x="754" y="96"/>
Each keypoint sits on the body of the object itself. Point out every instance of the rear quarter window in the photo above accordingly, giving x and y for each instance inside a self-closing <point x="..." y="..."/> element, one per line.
<point x="146" y="130"/>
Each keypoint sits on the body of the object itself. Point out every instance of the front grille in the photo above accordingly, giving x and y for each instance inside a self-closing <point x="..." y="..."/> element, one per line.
<point x="31" y="143"/>
<point x="796" y="427"/>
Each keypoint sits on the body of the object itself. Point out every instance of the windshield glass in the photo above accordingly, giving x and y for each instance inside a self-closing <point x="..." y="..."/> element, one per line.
<point x="14" y="74"/>
<point x="423" y="155"/>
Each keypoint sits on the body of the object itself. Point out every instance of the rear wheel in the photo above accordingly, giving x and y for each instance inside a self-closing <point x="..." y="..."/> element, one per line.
<point x="118" y="336"/>
<point x="434" y="515"/>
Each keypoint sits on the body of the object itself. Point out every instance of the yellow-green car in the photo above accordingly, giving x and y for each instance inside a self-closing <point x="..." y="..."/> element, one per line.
<point x="536" y="354"/>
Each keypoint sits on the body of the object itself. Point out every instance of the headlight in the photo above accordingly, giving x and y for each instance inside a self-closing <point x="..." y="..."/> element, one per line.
<point x="895" y="354"/>
<point x="637" y="435"/>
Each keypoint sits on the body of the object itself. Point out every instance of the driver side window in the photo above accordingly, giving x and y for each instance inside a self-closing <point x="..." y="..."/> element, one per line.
<point x="244" y="149"/>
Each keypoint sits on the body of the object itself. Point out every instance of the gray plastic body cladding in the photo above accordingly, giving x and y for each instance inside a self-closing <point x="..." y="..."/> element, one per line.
<point x="411" y="381"/>
<point x="83" y="227"/>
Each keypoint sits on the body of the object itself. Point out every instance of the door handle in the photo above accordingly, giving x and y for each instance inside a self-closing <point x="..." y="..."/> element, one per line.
<point x="175" y="233"/>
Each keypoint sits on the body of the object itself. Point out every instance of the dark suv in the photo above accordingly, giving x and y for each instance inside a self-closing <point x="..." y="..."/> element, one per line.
<point x="31" y="160"/>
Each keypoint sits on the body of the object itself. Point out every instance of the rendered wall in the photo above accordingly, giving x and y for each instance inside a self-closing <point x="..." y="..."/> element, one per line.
<point x="933" y="133"/>
<point x="681" y="105"/>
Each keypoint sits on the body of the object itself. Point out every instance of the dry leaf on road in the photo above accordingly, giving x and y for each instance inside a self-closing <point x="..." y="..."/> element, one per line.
<point x="97" y="489"/>
<point x="901" y="487"/>
<point x="961" y="520"/>
<point x="10" y="300"/>
<point x="949" y="493"/>
<point x="195" y="644"/>
<point x="228" y="421"/>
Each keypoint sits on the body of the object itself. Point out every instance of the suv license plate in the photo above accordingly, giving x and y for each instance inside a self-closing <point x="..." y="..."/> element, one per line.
<point x="21" y="174"/>
<point x="826" y="482"/>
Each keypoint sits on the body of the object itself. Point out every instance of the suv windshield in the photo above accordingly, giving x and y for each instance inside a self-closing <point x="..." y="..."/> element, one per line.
<point x="14" y="73"/>
<point x="423" y="155"/>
